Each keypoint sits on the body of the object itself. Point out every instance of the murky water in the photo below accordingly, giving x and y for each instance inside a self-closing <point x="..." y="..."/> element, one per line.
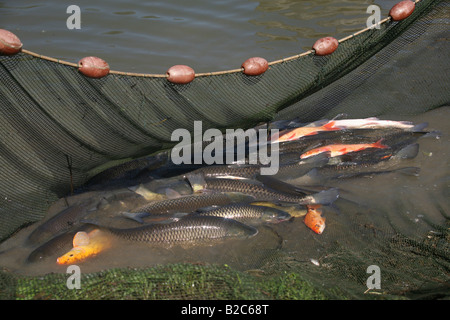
<point x="150" y="36"/>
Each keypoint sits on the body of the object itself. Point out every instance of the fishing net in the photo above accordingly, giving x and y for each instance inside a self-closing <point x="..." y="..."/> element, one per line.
<point x="60" y="128"/>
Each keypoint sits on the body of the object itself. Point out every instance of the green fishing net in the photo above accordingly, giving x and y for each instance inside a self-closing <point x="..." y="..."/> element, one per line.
<point x="59" y="128"/>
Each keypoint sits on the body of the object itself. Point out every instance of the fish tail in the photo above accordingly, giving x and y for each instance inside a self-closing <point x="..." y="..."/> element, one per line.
<point x="379" y="144"/>
<point x="325" y="197"/>
<point x="197" y="181"/>
<point x="331" y="126"/>
<point x="418" y="127"/>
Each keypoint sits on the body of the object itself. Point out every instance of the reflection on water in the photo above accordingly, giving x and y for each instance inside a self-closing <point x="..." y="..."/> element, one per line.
<point x="149" y="37"/>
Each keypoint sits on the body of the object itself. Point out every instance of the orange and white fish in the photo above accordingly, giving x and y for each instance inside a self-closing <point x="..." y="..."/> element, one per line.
<point x="85" y="245"/>
<point x="307" y="130"/>
<point x="314" y="220"/>
<point x="375" y="123"/>
<point x="340" y="149"/>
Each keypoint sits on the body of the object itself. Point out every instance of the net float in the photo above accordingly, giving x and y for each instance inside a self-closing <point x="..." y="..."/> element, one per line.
<point x="255" y="66"/>
<point x="93" y="67"/>
<point x="402" y="10"/>
<point x="180" y="74"/>
<point x="9" y="43"/>
<point x="325" y="46"/>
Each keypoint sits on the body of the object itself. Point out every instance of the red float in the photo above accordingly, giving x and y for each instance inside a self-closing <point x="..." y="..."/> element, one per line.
<point x="9" y="43"/>
<point x="325" y="46"/>
<point x="402" y="10"/>
<point x="255" y="66"/>
<point x="93" y="67"/>
<point x="180" y="74"/>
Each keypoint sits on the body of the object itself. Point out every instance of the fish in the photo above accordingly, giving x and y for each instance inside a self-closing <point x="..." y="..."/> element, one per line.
<point x="260" y="192"/>
<point x="248" y="213"/>
<point x="341" y="149"/>
<point x="314" y="220"/>
<point x="85" y="245"/>
<point x="56" y="246"/>
<point x="248" y="171"/>
<point x="293" y="210"/>
<point x="310" y="129"/>
<point x="375" y="123"/>
<point x="62" y="221"/>
<point x="188" y="230"/>
<point x="186" y="204"/>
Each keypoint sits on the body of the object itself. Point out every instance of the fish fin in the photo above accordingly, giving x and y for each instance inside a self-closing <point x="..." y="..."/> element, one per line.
<point x="81" y="238"/>
<point x="410" y="171"/>
<point x="136" y="216"/>
<point x="340" y="116"/>
<point x="325" y="197"/>
<point x="278" y="185"/>
<point x="418" y="127"/>
<point x="408" y="152"/>
<point x="319" y="160"/>
<point x="379" y="144"/>
<point x="433" y="134"/>
<point x="318" y="123"/>
<point x="197" y="181"/>
<point x="331" y="126"/>
<point x="172" y="194"/>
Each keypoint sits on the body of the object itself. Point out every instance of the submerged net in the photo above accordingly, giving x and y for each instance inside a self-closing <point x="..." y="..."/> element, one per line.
<point x="60" y="128"/>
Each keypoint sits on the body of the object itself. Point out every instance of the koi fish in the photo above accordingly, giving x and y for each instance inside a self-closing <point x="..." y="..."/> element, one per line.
<point x="85" y="245"/>
<point x="375" y="123"/>
<point x="314" y="219"/>
<point x="340" y="149"/>
<point x="307" y="130"/>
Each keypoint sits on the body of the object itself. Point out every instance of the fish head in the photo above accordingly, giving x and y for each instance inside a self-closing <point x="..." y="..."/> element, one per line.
<point x="273" y="215"/>
<point x="77" y="254"/>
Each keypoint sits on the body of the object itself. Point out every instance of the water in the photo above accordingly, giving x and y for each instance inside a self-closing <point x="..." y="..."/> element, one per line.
<point x="150" y="36"/>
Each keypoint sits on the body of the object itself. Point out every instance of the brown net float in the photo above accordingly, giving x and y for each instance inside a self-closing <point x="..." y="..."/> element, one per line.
<point x="402" y="10"/>
<point x="93" y="67"/>
<point x="255" y="66"/>
<point x="9" y="43"/>
<point x="180" y="74"/>
<point x="325" y="46"/>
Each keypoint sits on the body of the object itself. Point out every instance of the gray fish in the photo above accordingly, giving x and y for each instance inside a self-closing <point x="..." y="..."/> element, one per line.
<point x="299" y="168"/>
<point x="248" y="213"/>
<point x="260" y="191"/>
<point x="63" y="221"/>
<point x="188" y="230"/>
<point x="186" y="204"/>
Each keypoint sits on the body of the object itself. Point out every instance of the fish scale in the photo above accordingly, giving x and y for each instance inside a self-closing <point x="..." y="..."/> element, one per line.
<point x="188" y="203"/>
<point x="188" y="229"/>
<point x="260" y="192"/>
<point x="248" y="213"/>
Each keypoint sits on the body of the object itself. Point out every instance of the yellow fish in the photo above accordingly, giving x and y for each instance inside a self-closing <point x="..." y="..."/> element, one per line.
<point x="85" y="245"/>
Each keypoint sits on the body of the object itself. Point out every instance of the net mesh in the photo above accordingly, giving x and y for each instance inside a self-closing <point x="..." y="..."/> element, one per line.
<point x="59" y="128"/>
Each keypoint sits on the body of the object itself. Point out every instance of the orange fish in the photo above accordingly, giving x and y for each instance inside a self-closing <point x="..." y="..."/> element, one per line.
<point x="314" y="219"/>
<point x="85" y="245"/>
<point x="297" y="133"/>
<point x="340" y="149"/>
